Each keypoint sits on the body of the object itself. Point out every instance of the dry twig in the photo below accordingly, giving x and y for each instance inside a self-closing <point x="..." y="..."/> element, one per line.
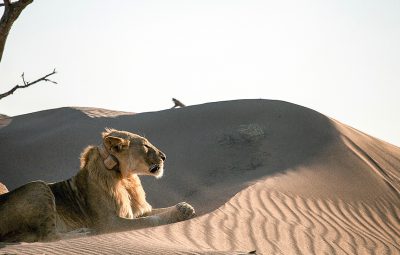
<point x="27" y="83"/>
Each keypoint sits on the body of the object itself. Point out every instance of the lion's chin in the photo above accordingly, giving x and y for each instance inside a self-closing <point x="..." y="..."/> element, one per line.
<point x="159" y="173"/>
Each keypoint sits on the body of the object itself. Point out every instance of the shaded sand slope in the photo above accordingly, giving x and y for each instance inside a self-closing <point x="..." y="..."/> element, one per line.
<point x="264" y="175"/>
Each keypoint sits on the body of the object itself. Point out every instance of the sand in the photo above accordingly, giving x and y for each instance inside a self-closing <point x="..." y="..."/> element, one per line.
<point x="262" y="175"/>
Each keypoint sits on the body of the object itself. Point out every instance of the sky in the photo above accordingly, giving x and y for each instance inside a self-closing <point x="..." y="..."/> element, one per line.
<point x="341" y="58"/>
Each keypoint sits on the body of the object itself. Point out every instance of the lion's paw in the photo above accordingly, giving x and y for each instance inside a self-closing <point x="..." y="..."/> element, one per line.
<point x="185" y="211"/>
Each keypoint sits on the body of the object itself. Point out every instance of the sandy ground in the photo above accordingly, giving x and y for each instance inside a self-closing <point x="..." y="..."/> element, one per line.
<point x="263" y="175"/>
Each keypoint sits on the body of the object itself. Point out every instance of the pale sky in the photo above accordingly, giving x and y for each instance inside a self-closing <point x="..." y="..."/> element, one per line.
<point x="341" y="58"/>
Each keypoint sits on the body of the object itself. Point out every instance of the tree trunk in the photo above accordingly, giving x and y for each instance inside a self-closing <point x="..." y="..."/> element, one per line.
<point x="11" y="13"/>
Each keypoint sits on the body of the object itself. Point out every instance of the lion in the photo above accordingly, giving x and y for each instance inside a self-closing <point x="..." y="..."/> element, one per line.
<point x="106" y="195"/>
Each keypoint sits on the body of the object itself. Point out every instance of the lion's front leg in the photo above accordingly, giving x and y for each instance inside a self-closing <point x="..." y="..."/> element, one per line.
<point x="156" y="211"/>
<point x="120" y="224"/>
<point x="162" y="216"/>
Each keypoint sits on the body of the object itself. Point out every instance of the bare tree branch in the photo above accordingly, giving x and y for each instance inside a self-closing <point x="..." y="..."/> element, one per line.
<point x="27" y="83"/>
<point x="11" y="13"/>
<point x="12" y="10"/>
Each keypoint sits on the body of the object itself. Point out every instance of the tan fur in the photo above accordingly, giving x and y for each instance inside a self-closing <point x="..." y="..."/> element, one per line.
<point x="96" y="198"/>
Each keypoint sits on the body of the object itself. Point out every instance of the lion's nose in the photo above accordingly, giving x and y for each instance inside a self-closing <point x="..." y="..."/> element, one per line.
<point x="163" y="157"/>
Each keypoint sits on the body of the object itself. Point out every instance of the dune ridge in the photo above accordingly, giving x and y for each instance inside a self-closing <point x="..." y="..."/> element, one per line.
<point x="263" y="175"/>
<point x="100" y="113"/>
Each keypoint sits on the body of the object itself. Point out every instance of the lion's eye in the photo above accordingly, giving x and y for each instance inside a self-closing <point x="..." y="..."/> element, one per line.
<point x="146" y="147"/>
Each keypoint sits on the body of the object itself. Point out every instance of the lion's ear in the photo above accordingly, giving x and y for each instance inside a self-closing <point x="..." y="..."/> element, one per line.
<point x="115" y="143"/>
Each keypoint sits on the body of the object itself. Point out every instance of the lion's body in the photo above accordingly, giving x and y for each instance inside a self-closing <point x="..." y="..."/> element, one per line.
<point x="96" y="198"/>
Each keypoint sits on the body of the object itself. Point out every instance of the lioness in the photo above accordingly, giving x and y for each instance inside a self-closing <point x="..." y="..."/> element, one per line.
<point x="105" y="195"/>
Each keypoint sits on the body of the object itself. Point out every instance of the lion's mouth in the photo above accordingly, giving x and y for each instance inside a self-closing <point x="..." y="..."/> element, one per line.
<point x="154" y="168"/>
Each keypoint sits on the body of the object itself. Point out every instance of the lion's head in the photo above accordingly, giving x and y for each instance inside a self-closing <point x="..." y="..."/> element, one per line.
<point x="135" y="154"/>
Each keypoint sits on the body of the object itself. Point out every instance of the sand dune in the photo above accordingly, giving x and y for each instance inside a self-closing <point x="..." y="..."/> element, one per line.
<point x="263" y="175"/>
